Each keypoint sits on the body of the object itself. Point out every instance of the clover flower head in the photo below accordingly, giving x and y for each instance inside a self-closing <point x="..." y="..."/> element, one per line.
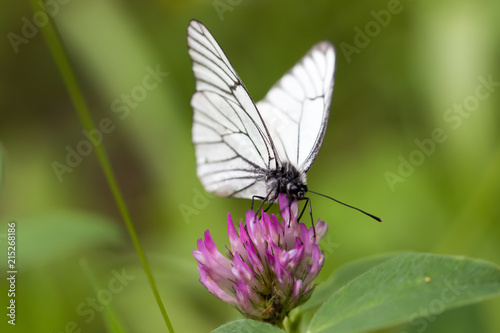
<point x="270" y="264"/>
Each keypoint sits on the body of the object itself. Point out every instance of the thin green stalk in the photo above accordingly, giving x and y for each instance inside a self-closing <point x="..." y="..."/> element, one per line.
<point x="61" y="59"/>
<point x="292" y="322"/>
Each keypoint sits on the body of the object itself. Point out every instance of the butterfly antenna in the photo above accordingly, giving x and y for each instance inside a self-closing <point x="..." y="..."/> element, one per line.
<point x="359" y="210"/>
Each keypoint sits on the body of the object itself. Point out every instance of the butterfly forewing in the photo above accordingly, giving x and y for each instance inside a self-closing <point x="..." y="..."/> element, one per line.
<point x="233" y="149"/>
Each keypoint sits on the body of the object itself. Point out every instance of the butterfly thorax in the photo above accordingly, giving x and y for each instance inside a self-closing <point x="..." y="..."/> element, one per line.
<point x="286" y="179"/>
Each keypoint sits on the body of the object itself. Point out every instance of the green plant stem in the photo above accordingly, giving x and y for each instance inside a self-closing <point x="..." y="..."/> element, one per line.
<point x="291" y="323"/>
<point x="61" y="59"/>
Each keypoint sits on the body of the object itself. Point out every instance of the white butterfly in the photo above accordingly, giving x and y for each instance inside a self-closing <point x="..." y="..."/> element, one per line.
<point x="257" y="151"/>
<point x="249" y="150"/>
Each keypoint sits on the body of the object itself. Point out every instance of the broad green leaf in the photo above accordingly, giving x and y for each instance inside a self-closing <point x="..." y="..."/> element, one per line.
<point x="405" y="288"/>
<point x="52" y="236"/>
<point x="247" y="326"/>
<point x="341" y="277"/>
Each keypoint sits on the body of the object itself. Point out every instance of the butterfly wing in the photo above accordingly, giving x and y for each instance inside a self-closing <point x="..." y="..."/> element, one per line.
<point x="297" y="107"/>
<point x="233" y="147"/>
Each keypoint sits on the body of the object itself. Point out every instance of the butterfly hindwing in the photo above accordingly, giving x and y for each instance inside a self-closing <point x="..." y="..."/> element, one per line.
<point x="296" y="108"/>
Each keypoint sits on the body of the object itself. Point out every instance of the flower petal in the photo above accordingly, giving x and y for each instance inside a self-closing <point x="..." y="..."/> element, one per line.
<point x="255" y="232"/>
<point x="317" y="263"/>
<point x="214" y="288"/>
<point x="242" y="271"/>
<point x="243" y="295"/>
<point x="254" y="260"/>
<point x="214" y="252"/>
<point x="321" y="229"/>
<point x="297" y="289"/>
<point x="234" y="239"/>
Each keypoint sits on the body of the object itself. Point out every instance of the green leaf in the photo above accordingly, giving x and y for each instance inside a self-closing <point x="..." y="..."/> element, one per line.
<point x="405" y="288"/>
<point x="247" y="326"/>
<point x="341" y="277"/>
<point x="64" y="233"/>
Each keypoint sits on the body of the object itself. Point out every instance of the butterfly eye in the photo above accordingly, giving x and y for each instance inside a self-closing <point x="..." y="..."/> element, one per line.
<point x="297" y="190"/>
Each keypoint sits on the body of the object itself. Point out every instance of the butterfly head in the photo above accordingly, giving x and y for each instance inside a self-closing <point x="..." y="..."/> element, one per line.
<point x="296" y="190"/>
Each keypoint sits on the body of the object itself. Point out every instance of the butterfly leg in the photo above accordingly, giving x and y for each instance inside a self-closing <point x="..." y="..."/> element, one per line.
<point x="308" y="203"/>
<point x="312" y="219"/>
<point x="257" y="197"/>
<point x="303" y="209"/>
<point x="264" y="200"/>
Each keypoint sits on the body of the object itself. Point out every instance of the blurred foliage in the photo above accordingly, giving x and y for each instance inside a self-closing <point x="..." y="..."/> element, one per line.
<point x="396" y="89"/>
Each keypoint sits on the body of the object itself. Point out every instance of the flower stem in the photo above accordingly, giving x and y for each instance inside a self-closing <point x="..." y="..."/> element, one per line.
<point x="291" y="323"/>
<point x="60" y="56"/>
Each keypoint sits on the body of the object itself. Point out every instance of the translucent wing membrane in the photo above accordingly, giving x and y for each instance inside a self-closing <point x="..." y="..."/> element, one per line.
<point x="297" y="107"/>
<point x="233" y="148"/>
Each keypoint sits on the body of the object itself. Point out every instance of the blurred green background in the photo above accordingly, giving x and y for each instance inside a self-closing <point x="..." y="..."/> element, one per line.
<point x="397" y="84"/>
